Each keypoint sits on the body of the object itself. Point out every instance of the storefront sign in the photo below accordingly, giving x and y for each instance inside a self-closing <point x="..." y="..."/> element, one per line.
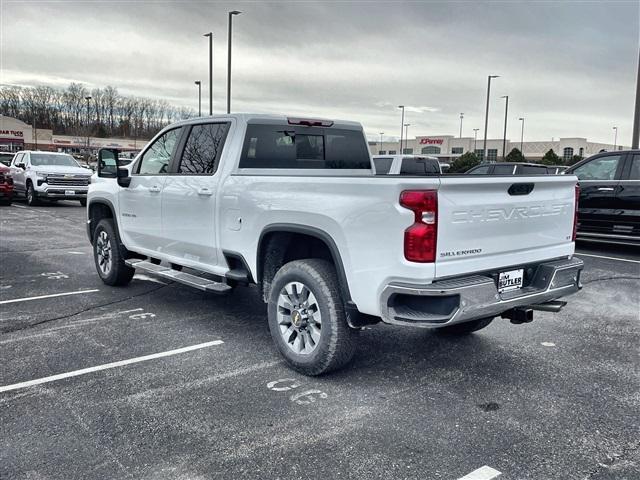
<point x="431" y="141"/>
<point x="13" y="133"/>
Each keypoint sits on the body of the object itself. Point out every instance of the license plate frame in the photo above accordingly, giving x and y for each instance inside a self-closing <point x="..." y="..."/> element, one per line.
<point x="70" y="193"/>
<point x="510" y="280"/>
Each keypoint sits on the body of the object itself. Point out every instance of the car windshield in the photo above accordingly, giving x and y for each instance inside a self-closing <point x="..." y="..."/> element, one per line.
<point x="41" y="159"/>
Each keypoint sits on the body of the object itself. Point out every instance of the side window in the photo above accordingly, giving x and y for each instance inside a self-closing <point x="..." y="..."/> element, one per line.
<point x="483" y="170"/>
<point x="203" y="148"/>
<point x="156" y="159"/>
<point x="634" y="171"/>
<point x="383" y="165"/>
<point x="603" y="168"/>
<point x="531" y="170"/>
<point x="503" y="170"/>
<point x="18" y="159"/>
<point x="419" y="166"/>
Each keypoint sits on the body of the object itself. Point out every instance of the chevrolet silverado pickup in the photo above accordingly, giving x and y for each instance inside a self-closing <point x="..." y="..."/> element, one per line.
<point x="293" y="205"/>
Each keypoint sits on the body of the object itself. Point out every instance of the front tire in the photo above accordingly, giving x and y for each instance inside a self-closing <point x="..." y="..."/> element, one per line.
<point x="108" y="256"/>
<point x="32" y="198"/>
<point x="307" y="319"/>
<point x="466" y="327"/>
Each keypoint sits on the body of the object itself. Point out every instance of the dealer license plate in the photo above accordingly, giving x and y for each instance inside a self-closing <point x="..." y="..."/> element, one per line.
<point x="69" y="192"/>
<point x="511" y="280"/>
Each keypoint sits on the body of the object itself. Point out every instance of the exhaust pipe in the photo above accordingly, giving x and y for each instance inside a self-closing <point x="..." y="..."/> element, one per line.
<point x="554" y="306"/>
<point x="519" y="315"/>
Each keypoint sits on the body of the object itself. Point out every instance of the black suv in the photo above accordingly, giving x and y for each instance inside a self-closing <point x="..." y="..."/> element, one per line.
<point x="609" y="207"/>
<point x="508" y="168"/>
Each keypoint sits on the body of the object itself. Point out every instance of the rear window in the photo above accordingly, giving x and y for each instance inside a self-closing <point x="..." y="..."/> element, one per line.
<point x="383" y="165"/>
<point x="419" y="166"/>
<point x="531" y="169"/>
<point x="284" y="146"/>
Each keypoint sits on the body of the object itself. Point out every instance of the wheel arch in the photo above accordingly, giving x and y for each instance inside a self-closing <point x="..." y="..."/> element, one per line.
<point x="96" y="211"/>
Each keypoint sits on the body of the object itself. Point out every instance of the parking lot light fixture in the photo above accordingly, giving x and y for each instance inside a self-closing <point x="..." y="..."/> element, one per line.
<point x="379" y="149"/>
<point x="88" y="99"/>
<point x="504" y="136"/>
<point x="475" y="140"/>
<point x="486" y="117"/>
<point x="199" y="84"/>
<point x="231" y="14"/>
<point x="210" y="35"/>
<point x="615" y="138"/>
<point x="401" y="127"/>
<point x="461" y="117"/>
<point x="406" y="135"/>
<point x="521" y="135"/>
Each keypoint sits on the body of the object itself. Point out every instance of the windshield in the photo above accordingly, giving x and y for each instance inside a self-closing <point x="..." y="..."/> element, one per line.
<point x="40" y="159"/>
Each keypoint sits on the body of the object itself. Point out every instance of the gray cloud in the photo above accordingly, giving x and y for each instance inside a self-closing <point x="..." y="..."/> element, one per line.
<point x="568" y="67"/>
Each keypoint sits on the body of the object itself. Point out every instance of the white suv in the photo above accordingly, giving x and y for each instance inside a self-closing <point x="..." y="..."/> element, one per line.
<point x="50" y="175"/>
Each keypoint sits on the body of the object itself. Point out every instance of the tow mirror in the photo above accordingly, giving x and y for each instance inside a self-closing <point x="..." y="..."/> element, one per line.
<point x="108" y="163"/>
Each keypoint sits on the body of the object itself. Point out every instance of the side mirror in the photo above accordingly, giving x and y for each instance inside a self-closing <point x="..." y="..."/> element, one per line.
<point x="108" y="163"/>
<point x="124" y="180"/>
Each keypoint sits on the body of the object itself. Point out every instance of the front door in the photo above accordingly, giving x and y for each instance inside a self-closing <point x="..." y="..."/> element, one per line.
<point x="189" y="198"/>
<point x="140" y="203"/>
<point x="598" y="179"/>
<point x="18" y="167"/>
<point x="628" y="199"/>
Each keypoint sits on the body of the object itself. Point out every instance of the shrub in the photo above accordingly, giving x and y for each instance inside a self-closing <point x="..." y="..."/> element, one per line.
<point x="464" y="162"/>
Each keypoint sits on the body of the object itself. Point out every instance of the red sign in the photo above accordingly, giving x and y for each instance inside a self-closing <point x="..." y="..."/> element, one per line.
<point x="431" y="141"/>
<point x="15" y="133"/>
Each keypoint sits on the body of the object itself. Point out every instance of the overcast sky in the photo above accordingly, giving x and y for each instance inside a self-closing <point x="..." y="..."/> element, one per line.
<point x="568" y="67"/>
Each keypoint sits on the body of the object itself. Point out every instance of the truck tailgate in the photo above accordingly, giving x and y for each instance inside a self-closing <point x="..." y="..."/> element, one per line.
<point x="492" y="222"/>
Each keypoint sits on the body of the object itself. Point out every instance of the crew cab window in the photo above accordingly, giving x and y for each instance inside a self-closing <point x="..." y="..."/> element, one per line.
<point x="383" y="165"/>
<point x="602" y="168"/>
<point x="156" y="159"/>
<point x="18" y="160"/>
<point x="483" y="170"/>
<point x="283" y="146"/>
<point x="419" y="166"/>
<point x="531" y="170"/>
<point x="202" y="151"/>
<point x="503" y="170"/>
<point x="634" y="172"/>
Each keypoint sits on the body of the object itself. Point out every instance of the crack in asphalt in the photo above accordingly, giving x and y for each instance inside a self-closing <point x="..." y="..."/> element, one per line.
<point x="611" y="460"/>
<point x="84" y="310"/>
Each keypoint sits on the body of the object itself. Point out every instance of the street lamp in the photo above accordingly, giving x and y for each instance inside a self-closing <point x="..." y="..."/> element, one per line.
<point x="504" y="137"/>
<point x="521" y="135"/>
<point x="461" y="117"/>
<point x="615" y="138"/>
<point x="486" y="117"/>
<point x="199" y="84"/>
<point x="88" y="99"/>
<point x="231" y="14"/>
<point x="210" y="35"/>
<point x="401" y="127"/>
<point x="475" y="139"/>
<point x="406" y="135"/>
<point x="380" y="149"/>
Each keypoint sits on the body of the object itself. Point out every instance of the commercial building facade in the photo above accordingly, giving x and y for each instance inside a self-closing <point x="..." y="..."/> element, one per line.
<point x="448" y="147"/>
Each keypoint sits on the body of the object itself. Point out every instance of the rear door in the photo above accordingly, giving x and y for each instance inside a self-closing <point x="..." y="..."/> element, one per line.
<point x="627" y="201"/>
<point x="189" y="196"/>
<point x="599" y="178"/>
<point x="489" y="222"/>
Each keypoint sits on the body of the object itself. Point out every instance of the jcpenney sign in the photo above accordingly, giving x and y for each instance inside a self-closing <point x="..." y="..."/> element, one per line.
<point x="431" y="141"/>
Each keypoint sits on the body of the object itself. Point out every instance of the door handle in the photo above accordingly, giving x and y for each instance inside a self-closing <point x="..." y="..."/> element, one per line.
<point x="154" y="189"/>
<point x="205" y="191"/>
<point x="605" y="189"/>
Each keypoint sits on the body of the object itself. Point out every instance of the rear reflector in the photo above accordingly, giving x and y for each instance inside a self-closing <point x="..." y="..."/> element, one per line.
<point x="575" y="213"/>
<point x="309" y="122"/>
<point x="420" y="239"/>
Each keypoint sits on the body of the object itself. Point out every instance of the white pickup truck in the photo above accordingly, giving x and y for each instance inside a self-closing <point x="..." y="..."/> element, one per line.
<point x="293" y="205"/>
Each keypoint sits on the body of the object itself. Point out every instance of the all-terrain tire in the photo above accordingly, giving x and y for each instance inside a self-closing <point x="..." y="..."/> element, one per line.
<point x="32" y="196"/>
<point x="106" y="238"/>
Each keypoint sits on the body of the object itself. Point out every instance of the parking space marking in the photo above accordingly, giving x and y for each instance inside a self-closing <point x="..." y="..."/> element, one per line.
<point x="106" y="366"/>
<point x="607" y="258"/>
<point x="18" y="206"/>
<point x="39" y="297"/>
<point x="76" y="253"/>
<point x="482" y="473"/>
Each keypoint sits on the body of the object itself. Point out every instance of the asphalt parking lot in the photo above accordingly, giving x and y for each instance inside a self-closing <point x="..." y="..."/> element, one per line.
<point x="158" y="381"/>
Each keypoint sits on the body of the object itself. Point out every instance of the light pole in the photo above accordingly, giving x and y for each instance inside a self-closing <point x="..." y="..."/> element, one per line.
<point x="521" y="135"/>
<point x="504" y="137"/>
<point x="199" y="83"/>
<point x="231" y="14"/>
<point x="380" y="149"/>
<point x="635" y="136"/>
<point x="475" y="140"/>
<point x="210" y="35"/>
<point x="88" y="99"/>
<point x="461" y="117"/>
<point x="406" y="135"/>
<point x="401" y="127"/>
<point x="615" y="138"/>
<point x="486" y="117"/>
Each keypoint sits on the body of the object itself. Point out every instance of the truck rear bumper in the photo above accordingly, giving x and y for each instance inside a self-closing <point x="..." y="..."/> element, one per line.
<point x="468" y="298"/>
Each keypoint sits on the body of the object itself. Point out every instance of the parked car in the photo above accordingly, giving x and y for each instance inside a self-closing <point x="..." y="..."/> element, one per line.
<point x="609" y="209"/>
<point x="508" y="168"/>
<point x="292" y="205"/>
<point x="406" y="165"/>
<point x="6" y="185"/>
<point x="54" y="176"/>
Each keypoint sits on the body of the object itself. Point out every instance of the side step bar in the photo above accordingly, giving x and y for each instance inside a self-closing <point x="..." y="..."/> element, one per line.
<point x="194" y="281"/>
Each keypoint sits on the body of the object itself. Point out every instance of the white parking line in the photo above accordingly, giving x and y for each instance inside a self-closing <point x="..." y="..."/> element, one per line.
<point x="483" y="473"/>
<point x="607" y="258"/>
<point x="106" y="366"/>
<point x="18" y="206"/>
<point x="28" y="299"/>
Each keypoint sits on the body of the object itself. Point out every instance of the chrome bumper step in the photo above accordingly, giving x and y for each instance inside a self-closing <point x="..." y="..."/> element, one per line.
<point x="201" y="283"/>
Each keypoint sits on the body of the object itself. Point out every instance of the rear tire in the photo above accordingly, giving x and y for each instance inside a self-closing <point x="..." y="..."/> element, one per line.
<point x="466" y="327"/>
<point x="108" y="255"/>
<point x="307" y="319"/>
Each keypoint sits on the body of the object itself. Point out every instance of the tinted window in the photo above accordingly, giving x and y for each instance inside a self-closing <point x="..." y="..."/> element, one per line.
<point x="281" y="146"/>
<point x="156" y="159"/>
<point x="531" y="170"/>
<point x="18" y="159"/>
<point x="603" y="168"/>
<point x="503" y="170"/>
<point x="419" y="166"/>
<point x="203" y="148"/>
<point x="634" y="173"/>
<point x="40" y="159"/>
<point x="383" y="165"/>
<point x="483" y="170"/>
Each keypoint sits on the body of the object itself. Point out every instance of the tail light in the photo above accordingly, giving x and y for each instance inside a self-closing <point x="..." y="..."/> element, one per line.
<point x="575" y="213"/>
<point x="421" y="237"/>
